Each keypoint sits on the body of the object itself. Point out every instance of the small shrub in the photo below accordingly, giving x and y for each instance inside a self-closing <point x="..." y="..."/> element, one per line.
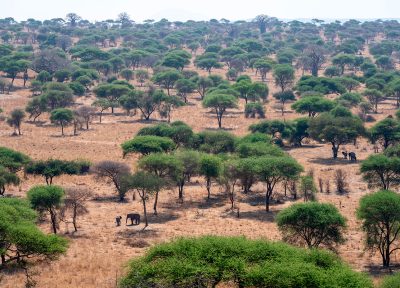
<point x="341" y="181"/>
<point x="253" y="109"/>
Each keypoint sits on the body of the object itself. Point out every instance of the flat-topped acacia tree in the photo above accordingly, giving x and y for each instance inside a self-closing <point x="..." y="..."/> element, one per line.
<point x="219" y="103"/>
<point x="335" y="130"/>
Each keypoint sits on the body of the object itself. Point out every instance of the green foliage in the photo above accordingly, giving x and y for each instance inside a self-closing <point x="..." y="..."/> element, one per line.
<point x="7" y="178"/>
<point x="297" y="130"/>
<point x="381" y="171"/>
<point x="374" y="96"/>
<point x="167" y="79"/>
<point x="47" y="199"/>
<point x="272" y="170"/>
<point x="312" y="224"/>
<point x="349" y="99"/>
<point x="179" y="132"/>
<point x="147" y="144"/>
<point x="320" y="84"/>
<point x="211" y="261"/>
<point x="274" y="128"/>
<point x="215" y="142"/>
<point x="254" y="108"/>
<point x="15" y="120"/>
<point x="19" y="235"/>
<point x="336" y="130"/>
<point x="284" y="76"/>
<point x="13" y="160"/>
<point x="380" y="213"/>
<point x="313" y="105"/>
<point x="52" y="168"/>
<point x="146" y="185"/>
<point x="386" y="131"/>
<point x="210" y="168"/>
<point x="112" y="92"/>
<point x="257" y="149"/>
<point x="391" y="281"/>
<point x="62" y="117"/>
<point x="163" y="165"/>
<point x="307" y="188"/>
<point x="219" y="102"/>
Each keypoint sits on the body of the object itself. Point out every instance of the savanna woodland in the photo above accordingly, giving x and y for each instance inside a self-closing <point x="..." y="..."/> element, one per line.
<point x="260" y="153"/>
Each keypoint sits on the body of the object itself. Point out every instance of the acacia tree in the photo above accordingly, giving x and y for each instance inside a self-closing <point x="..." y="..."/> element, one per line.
<point x="165" y="166"/>
<point x="219" y="102"/>
<point x="21" y="239"/>
<point x="262" y="66"/>
<point x="62" y="117"/>
<point x="313" y="224"/>
<point x="15" y="120"/>
<point x="284" y="76"/>
<point x="386" y="131"/>
<point x="148" y="144"/>
<point x="145" y="184"/>
<point x="203" y="84"/>
<point x="381" y="171"/>
<point x="210" y="168"/>
<point x="380" y="213"/>
<point x="47" y="198"/>
<point x="336" y="130"/>
<point x="283" y="97"/>
<point x="313" y="105"/>
<point x="52" y="168"/>
<point x="374" y="97"/>
<point x="190" y="163"/>
<point x="273" y="170"/>
<point x="112" y="92"/>
<point x="7" y="178"/>
<point x="167" y="79"/>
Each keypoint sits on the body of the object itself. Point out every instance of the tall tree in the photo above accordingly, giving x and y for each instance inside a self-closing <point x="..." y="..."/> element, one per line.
<point x="380" y="213"/>
<point x="49" y="199"/>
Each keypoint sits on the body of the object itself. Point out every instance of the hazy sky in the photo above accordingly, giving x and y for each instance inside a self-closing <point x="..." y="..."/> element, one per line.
<point x="140" y="10"/>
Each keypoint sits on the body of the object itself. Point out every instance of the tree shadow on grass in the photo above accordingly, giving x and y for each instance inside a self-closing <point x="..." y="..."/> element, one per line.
<point x="101" y="199"/>
<point x="136" y="233"/>
<point x="258" y="215"/>
<point x="379" y="271"/>
<point x="162" y="217"/>
<point x="216" y="201"/>
<point x="331" y="161"/>
<point x="142" y="121"/>
<point x="219" y="129"/>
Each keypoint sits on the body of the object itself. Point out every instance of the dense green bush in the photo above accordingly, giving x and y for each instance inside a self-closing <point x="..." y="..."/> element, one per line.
<point x="208" y="261"/>
<point x="392" y="281"/>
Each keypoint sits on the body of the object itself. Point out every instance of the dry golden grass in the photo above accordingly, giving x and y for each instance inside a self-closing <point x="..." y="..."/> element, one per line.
<point x="99" y="251"/>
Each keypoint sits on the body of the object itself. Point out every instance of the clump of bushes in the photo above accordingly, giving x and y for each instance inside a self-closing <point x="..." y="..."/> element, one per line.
<point x="209" y="261"/>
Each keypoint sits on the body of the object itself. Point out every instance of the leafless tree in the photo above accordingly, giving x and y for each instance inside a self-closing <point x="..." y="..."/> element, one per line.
<point x="113" y="172"/>
<point x="75" y="203"/>
<point x="86" y="113"/>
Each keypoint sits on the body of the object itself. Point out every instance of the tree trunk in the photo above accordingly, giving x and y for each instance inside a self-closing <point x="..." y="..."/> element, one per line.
<point x="62" y="129"/>
<point x="267" y="200"/>
<point x="335" y="150"/>
<point x="155" y="204"/>
<point x="53" y="217"/>
<point x="180" y="189"/>
<point x="74" y="219"/>
<point x="208" y="185"/>
<point x="144" y="212"/>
